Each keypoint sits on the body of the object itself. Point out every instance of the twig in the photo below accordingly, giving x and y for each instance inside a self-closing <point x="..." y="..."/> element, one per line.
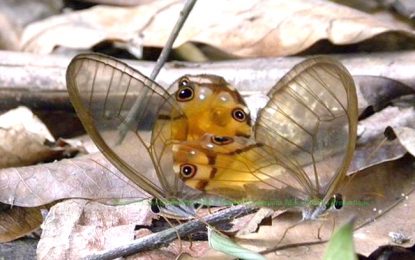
<point x="167" y="48"/>
<point x="141" y="103"/>
<point x="165" y="237"/>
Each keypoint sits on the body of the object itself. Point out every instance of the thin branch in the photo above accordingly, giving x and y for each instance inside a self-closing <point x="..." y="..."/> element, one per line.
<point x="163" y="238"/>
<point x="141" y="103"/>
<point x="173" y="35"/>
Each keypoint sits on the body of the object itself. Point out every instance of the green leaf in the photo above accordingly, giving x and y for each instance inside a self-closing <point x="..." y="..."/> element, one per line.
<point x="225" y="245"/>
<point x="340" y="246"/>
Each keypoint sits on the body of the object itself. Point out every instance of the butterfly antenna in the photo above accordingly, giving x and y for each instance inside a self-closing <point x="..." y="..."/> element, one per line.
<point x="375" y="150"/>
<point x="389" y="136"/>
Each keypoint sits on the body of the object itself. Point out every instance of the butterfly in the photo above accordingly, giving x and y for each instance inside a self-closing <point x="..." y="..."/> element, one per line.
<point x="296" y="156"/>
<point x="309" y="120"/>
<point x="103" y="92"/>
<point x="299" y="151"/>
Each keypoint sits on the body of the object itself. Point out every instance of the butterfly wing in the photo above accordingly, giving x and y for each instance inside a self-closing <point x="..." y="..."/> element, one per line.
<point x="103" y="92"/>
<point x="232" y="167"/>
<point x="310" y="123"/>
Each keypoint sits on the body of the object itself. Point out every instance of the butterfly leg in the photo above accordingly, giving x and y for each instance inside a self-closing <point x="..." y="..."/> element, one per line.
<point x="286" y="231"/>
<point x="177" y="233"/>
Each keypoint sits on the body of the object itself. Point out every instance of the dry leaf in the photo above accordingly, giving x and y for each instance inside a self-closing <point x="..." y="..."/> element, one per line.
<point x="117" y="2"/>
<point x="248" y="28"/>
<point x="406" y="137"/>
<point x="253" y="224"/>
<point x="16" y="222"/>
<point x="23" y="139"/>
<point x="91" y="177"/>
<point x="378" y="91"/>
<point x="100" y="227"/>
<point x="372" y="146"/>
<point x="393" y="116"/>
<point x="76" y="228"/>
<point x="192" y="249"/>
<point x="8" y="36"/>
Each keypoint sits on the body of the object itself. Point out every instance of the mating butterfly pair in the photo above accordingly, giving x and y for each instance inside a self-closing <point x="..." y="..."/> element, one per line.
<point x="196" y="138"/>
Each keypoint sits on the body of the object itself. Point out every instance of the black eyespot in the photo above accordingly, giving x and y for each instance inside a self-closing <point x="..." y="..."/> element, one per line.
<point x="335" y="202"/>
<point x="389" y="133"/>
<point x="221" y="140"/>
<point x="338" y="201"/>
<point x="184" y="94"/>
<point x="184" y="82"/>
<point x="239" y="115"/>
<point x="187" y="171"/>
<point x="155" y="205"/>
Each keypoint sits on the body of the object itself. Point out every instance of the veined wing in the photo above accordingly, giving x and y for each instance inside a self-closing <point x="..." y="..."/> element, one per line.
<point x="236" y="168"/>
<point x="103" y="92"/>
<point x="312" y="116"/>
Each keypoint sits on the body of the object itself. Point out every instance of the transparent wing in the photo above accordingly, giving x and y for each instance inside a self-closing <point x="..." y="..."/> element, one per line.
<point x="103" y="92"/>
<point x="310" y="125"/>
<point x="237" y="168"/>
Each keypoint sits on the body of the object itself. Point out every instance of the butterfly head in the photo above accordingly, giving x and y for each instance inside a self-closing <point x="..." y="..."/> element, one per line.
<point x="212" y="106"/>
<point x="320" y="208"/>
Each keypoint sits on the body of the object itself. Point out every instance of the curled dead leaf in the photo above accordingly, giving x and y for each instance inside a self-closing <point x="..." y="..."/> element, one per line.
<point x="249" y="29"/>
<point x="25" y="140"/>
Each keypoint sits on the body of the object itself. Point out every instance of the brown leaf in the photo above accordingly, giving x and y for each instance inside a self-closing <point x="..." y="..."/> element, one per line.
<point x="8" y="34"/>
<point x="393" y="116"/>
<point x="253" y="222"/>
<point x="91" y="177"/>
<point x="378" y="91"/>
<point x="372" y="146"/>
<point x="250" y="28"/>
<point x="176" y="250"/>
<point x="24" y="139"/>
<point x="16" y="222"/>
<point x="406" y="137"/>
<point x="76" y="228"/>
